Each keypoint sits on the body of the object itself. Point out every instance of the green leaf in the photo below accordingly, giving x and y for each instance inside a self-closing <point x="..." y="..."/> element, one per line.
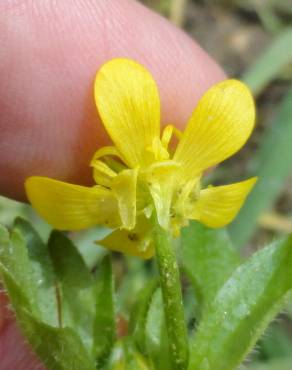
<point x="279" y="364"/>
<point x="272" y="165"/>
<point x="208" y="258"/>
<point x="75" y="287"/>
<point x="83" y="307"/>
<point x="14" y="257"/>
<point x="276" y="342"/>
<point x="157" y="346"/>
<point x="42" y="272"/>
<point x="104" y="322"/>
<point x="243" y="308"/>
<point x="138" y="274"/>
<point x="14" y="260"/>
<point x="58" y="348"/>
<point x="16" y="294"/>
<point x="139" y="313"/>
<point x="270" y="63"/>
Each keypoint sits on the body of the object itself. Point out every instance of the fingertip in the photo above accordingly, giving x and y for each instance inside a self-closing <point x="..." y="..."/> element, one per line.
<point x="48" y="68"/>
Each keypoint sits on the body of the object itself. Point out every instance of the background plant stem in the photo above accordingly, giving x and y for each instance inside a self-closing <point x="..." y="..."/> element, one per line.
<point x="177" y="11"/>
<point x="172" y="297"/>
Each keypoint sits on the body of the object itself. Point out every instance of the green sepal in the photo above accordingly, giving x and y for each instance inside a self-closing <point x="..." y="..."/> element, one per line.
<point x="242" y="309"/>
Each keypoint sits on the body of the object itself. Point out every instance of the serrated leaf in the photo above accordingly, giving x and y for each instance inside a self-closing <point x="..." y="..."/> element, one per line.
<point x="42" y="272"/>
<point x="208" y="258"/>
<point x="243" y="308"/>
<point x="104" y="322"/>
<point x="270" y="64"/>
<point x="138" y="318"/>
<point x="157" y="346"/>
<point x="272" y="165"/>
<point x="75" y="286"/>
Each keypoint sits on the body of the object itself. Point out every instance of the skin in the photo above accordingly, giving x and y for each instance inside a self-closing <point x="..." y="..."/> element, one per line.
<point x="50" y="52"/>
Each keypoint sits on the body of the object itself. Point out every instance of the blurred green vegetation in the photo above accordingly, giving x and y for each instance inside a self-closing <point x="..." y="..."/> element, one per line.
<point x="252" y="40"/>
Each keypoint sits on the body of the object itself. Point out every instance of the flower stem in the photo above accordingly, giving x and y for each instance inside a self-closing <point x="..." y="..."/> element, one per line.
<point x="172" y="297"/>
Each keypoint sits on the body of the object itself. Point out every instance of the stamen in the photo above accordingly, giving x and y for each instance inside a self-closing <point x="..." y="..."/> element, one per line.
<point x="102" y="173"/>
<point x="159" y="152"/>
<point x="167" y="134"/>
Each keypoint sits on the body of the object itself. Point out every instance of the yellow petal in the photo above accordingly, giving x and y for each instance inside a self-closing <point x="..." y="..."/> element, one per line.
<point x="128" y="103"/>
<point x="219" y="205"/>
<point x="220" y="125"/>
<point x="124" y="187"/>
<point x="136" y="242"/>
<point x="72" y="207"/>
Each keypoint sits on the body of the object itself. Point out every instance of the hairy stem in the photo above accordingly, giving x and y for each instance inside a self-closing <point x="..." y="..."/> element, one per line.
<point x="172" y="297"/>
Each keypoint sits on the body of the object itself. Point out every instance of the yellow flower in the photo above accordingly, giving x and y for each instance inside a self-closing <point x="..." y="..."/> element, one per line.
<point x="141" y="174"/>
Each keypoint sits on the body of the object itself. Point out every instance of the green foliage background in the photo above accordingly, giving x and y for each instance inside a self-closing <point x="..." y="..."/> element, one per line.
<point x="213" y="282"/>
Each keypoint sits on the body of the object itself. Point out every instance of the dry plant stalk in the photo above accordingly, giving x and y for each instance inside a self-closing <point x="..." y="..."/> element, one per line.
<point x="177" y="11"/>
